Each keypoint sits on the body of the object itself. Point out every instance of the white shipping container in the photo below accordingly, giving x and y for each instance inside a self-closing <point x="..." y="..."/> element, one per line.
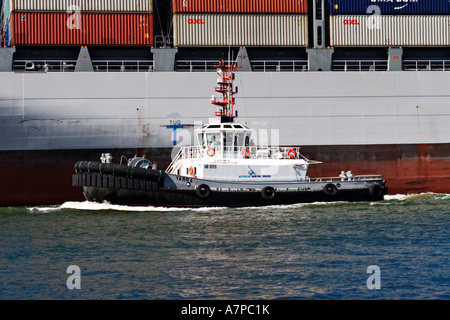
<point x="240" y="30"/>
<point x="377" y="30"/>
<point x="83" y="5"/>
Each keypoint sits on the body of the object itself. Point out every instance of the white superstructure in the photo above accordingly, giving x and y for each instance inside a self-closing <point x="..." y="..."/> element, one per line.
<point x="224" y="152"/>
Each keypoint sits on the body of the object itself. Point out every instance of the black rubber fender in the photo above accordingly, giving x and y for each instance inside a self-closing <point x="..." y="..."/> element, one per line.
<point x="330" y="189"/>
<point x="203" y="191"/>
<point x="375" y="190"/>
<point x="120" y="170"/>
<point x="268" y="193"/>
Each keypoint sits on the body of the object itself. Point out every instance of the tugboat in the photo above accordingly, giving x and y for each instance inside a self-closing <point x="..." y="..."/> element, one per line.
<point x="224" y="168"/>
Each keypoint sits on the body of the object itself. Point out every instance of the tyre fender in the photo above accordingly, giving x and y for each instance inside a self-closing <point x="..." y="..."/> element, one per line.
<point x="268" y="193"/>
<point x="203" y="191"/>
<point x="330" y="189"/>
<point x="375" y="190"/>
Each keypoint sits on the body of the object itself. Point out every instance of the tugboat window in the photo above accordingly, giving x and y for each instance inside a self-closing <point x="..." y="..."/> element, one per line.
<point x="240" y="139"/>
<point x="228" y="139"/>
<point x="212" y="140"/>
<point x="201" y="140"/>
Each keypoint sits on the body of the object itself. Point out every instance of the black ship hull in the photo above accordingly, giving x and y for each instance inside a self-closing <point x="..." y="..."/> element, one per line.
<point x="137" y="186"/>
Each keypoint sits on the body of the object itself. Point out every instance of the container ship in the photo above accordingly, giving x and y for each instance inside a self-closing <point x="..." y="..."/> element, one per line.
<point x="360" y="84"/>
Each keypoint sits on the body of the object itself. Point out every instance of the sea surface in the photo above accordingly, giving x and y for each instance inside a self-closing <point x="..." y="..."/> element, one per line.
<point x="394" y="249"/>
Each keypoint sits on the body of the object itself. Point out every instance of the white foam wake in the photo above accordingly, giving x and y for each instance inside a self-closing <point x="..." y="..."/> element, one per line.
<point x="402" y="197"/>
<point x="95" y="206"/>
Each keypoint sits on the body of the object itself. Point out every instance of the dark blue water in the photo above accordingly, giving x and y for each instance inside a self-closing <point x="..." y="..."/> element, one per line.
<point x="315" y="251"/>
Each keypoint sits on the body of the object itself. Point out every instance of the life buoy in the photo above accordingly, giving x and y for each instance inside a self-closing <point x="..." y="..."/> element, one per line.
<point x="211" y="152"/>
<point x="191" y="171"/>
<point x="292" y="153"/>
<point x="203" y="191"/>
<point x="330" y="189"/>
<point x="245" y="152"/>
<point x="268" y="193"/>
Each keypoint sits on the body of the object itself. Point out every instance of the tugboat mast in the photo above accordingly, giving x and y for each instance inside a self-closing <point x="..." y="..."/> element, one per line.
<point x="225" y="80"/>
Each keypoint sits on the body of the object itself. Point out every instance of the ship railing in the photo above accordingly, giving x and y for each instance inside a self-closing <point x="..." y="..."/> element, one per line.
<point x="280" y="65"/>
<point x="426" y="65"/>
<point x="196" y="65"/>
<point x="171" y="167"/>
<point x="239" y="152"/>
<point x="98" y="65"/>
<point x="360" y="65"/>
<point x="45" y="65"/>
<point x="123" y="65"/>
<point x="350" y="177"/>
<point x="257" y="65"/>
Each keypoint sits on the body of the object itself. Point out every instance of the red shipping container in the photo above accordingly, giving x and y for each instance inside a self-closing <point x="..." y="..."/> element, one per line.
<point x="240" y="6"/>
<point x="83" y="29"/>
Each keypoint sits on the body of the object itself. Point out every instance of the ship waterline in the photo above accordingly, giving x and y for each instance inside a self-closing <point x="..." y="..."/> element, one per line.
<point x="389" y="123"/>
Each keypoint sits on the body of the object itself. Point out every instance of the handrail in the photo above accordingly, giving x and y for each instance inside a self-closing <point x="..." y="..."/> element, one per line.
<point x="280" y="65"/>
<point x="360" y="65"/>
<point x="426" y="65"/>
<point x="45" y="65"/>
<point x="239" y="152"/>
<point x="123" y="65"/>
<point x="174" y="161"/>
<point x="58" y="65"/>
<point x="257" y="65"/>
<point x="54" y="65"/>
<point x="196" y="65"/>
<point x="353" y="178"/>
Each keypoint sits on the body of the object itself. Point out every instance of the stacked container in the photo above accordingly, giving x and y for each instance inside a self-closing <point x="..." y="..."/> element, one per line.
<point x="389" y="23"/>
<point x="240" y="23"/>
<point x="81" y="22"/>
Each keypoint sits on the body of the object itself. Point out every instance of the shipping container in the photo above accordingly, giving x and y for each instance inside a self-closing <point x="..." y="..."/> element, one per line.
<point x="99" y="29"/>
<point x="82" y="5"/>
<point x="389" y="7"/>
<point x="412" y="30"/>
<point x="240" y="30"/>
<point x="240" y="6"/>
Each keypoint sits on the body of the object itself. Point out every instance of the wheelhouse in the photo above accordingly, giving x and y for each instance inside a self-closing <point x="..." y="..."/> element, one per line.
<point x="225" y="140"/>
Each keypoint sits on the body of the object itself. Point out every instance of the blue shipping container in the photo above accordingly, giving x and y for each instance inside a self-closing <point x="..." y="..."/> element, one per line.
<point x="389" y="7"/>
